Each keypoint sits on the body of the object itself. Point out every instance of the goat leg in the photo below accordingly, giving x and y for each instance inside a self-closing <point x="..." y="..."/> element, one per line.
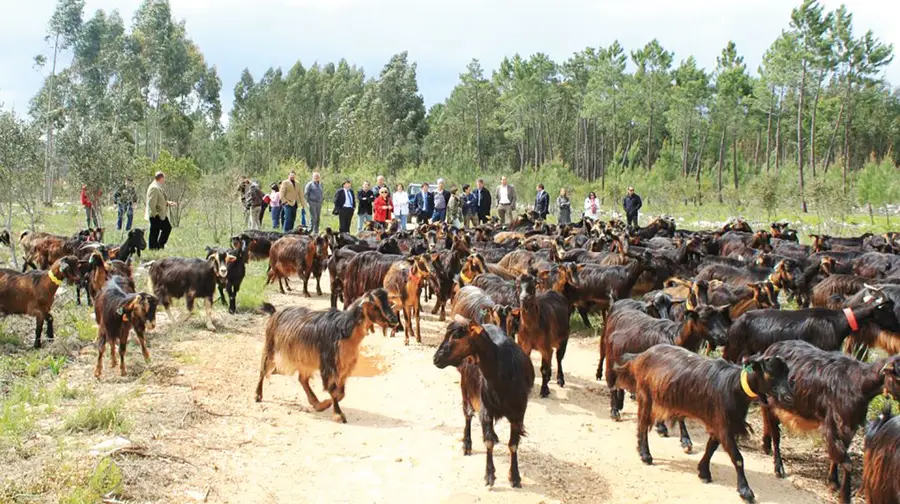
<point x="645" y="420"/>
<point x="49" y="318"/>
<point x="319" y="285"/>
<point x="337" y="394"/>
<point x="467" y="431"/>
<point x="686" y="444"/>
<point x="712" y="444"/>
<point x="546" y="372"/>
<point x="208" y="305"/>
<point x="317" y="405"/>
<point x="101" y="346"/>
<point x="515" y="433"/>
<point x="662" y="430"/>
<point x="772" y="439"/>
<point x="144" y="350"/>
<point x="730" y="446"/>
<point x="418" y="311"/>
<point x="305" y="279"/>
<point x="490" y="438"/>
<point x="39" y="328"/>
<point x="584" y="316"/>
<point x="122" y="344"/>
<point x="560" y="353"/>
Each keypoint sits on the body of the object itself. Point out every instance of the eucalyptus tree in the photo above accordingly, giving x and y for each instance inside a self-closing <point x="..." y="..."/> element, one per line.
<point x="651" y="84"/>
<point x="733" y="87"/>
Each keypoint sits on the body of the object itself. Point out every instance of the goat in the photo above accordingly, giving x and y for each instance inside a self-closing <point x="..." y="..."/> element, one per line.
<point x="366" y="271"/>
<point x="102" y="270"/>
<point x="672" y="382"/>
<point x="600" y="286"/>
<point x="337" y="265"/>
<point x="176" y="277"/>
<point x="117" y="309"/>
<point x="842" y="285"/>
<point x="757" y="330"/>
<point x="831" y="392"/>
<point x="134" y="243"/>
<point x="301" y="255"/>
<point x="43" y="249"/>
<point x="305" y="341"/>
<point x="881" y="471"/>
<point x="544" y="326"/>
<point x="235" y="261"/>
<point x="505" y="381"/>
<point x="32" y="293"/>
<point x="634" y="332"/>
<point x="4" y="238"/>
<point x="402" y="283"/>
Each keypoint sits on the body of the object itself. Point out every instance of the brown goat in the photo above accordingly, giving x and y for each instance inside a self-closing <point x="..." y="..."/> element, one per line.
<point x="831" y="392"/>
<point x="366" y="271"/>
<point x="881" y="473"/>
<point x="101" y="271"/>
<point x="118" y="309"/>
<point x="671" y="382"/>
<point x="32" y="293"/>
<point x="42" y="249"/>
<point x="305" y="341"/>
<point x="830" y="292"/>
<point x="300" y="255"/>
<point x="543" y="326"/>
<point x="402" y="282"/>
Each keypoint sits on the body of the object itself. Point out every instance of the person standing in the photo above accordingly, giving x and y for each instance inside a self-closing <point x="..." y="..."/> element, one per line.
<point x="469" y="207"/>
<point x="564" y="207"/>
<point x="454" y="209"/>
<point x="379" y="184"/>
<point x="364" y="212"/>
<point x="482" y="201"/>
<point x="125" y="197"/>
<point x="158" y="213"/>
<point x="290" y="199"/>
<point x="315" y="195"/>
<point x="542" y="202"/>
<point x="506" y="200"/>
<point x="400" y="202"/>
<point x="441" y="199"/>
<point x="88" y="205"/>
<point x="383" y="207"/>
<point x="275" y="206"/>
<point x="254" y="202"/>
<point x="632" y="204"/>
<point x="424" y="204"/>
<point x="592" y="206"/>
<point x="344" y="205"/>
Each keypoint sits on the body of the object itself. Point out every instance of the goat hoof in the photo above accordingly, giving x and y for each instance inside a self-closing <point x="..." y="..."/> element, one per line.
<point x="746" y="494"/>
<point x="687" y="447"/>
<point x="615" y="415"/>
<point x="545" y="392"/>
<point x="340" y="418"/>
<point x="561" y="382"/>
<point x="210" y="327"/>
<point x="705" y="475"/>
<point x="779" y="471"/>
<point x="489" y="480"/>
<point x="467" y="449"/>
<point x="647" y="459"/>
<point x="258" y="397"/>
<point x="662" y="430"/>
<point x="322" y="406"/>
<point x="515" y="482"/>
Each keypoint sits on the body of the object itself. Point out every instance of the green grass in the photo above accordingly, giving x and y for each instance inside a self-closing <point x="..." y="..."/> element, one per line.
<point x="105" y="480"/>
<point x="98" y="417"/>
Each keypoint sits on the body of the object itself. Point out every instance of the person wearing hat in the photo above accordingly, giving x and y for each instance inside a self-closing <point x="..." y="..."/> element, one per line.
<point x="158" y="213"/>
<point x="274" y="198"/>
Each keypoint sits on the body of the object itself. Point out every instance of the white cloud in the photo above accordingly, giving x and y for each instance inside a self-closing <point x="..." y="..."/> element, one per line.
<point x="441" y="36"/>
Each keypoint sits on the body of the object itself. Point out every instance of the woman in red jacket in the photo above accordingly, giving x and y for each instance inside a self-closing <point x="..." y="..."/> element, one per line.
<point x="383" y="207"/>
<point x="89" y="207"/>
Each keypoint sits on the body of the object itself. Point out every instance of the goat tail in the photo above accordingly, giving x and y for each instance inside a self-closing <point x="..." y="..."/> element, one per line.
<point x="267" y="308"/>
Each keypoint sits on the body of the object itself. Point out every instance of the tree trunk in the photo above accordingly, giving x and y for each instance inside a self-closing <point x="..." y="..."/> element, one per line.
<point x="649" y="140"/>
<point x="734" y="165"/>
<point x="721" y="162"/>
<point x="48" y="148"/>
<point x="685" y="148"/>
<point x="812" y="124"/>
<point x="478" y="131"/>
<point x="756" y="149"/>
<point x="769" y="132"/>
<point x="778" y="133"/>
<point x="837" y="127"/>
<point x="800" y="136"/>
<point x="698" y="164"/>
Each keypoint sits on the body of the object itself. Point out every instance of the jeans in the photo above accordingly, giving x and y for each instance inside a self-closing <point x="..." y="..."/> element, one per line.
<point x="159" y="233"/>
<point x="128" y="212"/>
<point x="90" y="213"/>
<point x="288" y="215"/>
<point x="403" y="218"/>
<point x="439" y="215"/>
<point x="303" y="216"/>
<point x="361" y="219"/>
<point x="315" y="216"/>
<point x="276" y="216"/>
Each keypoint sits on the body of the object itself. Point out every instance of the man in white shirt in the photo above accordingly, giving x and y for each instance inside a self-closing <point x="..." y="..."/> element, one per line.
<point x="506" y="200"/>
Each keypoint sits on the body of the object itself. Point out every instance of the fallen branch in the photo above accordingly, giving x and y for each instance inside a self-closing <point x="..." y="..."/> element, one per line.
<point x="141" y="451"/>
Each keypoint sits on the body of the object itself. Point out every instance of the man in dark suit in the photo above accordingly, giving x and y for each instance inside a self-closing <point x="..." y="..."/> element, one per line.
<point x="632" y="204"/>
<point x="424" y="204"/>
<point x="482" y="201"/>
<point x="542" y="202"/>
<point x="344" y="205"/>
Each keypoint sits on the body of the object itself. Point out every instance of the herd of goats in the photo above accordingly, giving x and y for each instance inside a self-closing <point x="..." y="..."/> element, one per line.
<point x="668" y="298"/>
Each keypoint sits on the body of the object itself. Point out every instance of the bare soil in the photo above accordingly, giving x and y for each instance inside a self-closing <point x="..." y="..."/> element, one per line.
<point x="201" y="437"/>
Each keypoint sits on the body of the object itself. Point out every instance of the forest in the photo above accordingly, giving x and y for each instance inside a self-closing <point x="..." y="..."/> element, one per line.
<point x="815" y="123"/>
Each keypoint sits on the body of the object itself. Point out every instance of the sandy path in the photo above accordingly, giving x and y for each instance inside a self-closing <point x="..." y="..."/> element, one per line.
<point x="402" y="442"/>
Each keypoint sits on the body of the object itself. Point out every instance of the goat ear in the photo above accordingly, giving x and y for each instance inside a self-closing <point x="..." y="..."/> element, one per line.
<point x="475" y="328"/>
<point x="516" y="312"/>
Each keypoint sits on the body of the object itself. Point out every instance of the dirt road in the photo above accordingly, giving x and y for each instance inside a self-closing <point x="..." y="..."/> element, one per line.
<point x="402" y="442"/>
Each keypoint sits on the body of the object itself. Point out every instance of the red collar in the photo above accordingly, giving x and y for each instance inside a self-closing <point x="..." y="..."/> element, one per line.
<point x="851" y="319"/>
<point x="413" y="276"/>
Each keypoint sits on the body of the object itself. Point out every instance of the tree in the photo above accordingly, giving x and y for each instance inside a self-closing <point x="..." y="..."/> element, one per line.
<point x="651" y="85"/>
<point x="733" y="87"/>
<point x="20" y="170"/>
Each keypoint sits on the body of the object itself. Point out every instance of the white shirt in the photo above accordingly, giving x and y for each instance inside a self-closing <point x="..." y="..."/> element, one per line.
<point x="591" y="208"/>
<point x="348" y="198"/>
<point x="400" y="200"/>
<point x="504" y="195"/>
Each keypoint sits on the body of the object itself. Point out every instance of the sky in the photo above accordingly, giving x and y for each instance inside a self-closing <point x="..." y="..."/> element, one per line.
<point x="441" y="36"/>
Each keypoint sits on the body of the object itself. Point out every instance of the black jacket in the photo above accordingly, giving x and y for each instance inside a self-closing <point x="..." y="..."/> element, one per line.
<point x="484" y="209"/>
<point x="632" y="203"/>
<point x="542" y="204"/>
<point x="339" y="199"/>
<point x="365" y="197"/>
